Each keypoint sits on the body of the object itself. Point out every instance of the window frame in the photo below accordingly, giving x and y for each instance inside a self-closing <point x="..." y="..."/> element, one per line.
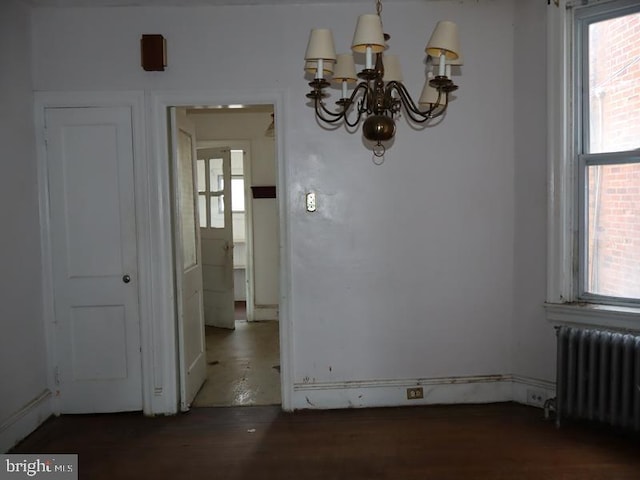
<point x="566" y="301"/>
<point x="208" y="195"/>
<point x="221" y="201"/>
<point x="585" y="16"/>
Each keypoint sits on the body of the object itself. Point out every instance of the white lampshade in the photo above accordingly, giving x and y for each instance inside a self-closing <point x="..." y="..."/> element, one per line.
<point x="455" y="61"/>
<point x="312" y="65"/>
<point x="345" y="68"/>
<point x="368" y="34"/>
<point x="392" y="70"/>
<point x="448" y="61"/>
<point x="444" y="39"/>
<point x="429" y="95"/>
<point x="320" y="45"/>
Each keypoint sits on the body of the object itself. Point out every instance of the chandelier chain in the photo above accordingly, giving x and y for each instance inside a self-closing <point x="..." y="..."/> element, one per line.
<point x="379" y="7"/>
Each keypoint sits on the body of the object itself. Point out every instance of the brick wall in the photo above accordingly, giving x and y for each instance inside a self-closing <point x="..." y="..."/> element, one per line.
<point x="614" y="191"/>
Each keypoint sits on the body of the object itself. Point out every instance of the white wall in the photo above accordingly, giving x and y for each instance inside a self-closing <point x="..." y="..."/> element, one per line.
<point x="407" y="270"/>
<point x="23" y="381"/>
<point x="534" y="340"/>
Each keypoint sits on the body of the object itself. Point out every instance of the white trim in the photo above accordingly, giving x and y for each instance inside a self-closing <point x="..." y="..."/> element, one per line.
<point x="563" y="199"/>
<point x="48" y="306"/>
<point x="135" y="101"/>
<point x="522" y="387"/>
<point x="444" y="390"/>
<point x="265" y="312"/>
<point x="591" y="315"/>
<point x="560" y="214"/>
<point x="25" y="420"/>
<point x="163" y="292"/>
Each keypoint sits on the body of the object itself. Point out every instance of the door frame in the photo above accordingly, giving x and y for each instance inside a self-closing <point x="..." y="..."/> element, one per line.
<point x="162" y="270"/>
<point x="156" y="293"/>
<point x="135" y="101"/>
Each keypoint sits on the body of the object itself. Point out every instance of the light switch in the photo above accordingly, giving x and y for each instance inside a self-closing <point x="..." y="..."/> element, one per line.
<point x="311" y="202"/>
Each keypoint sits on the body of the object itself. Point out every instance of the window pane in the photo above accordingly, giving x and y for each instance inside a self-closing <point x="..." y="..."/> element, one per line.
<point x="202" y="210"/>
<point x="614" y="84"/>
<point x="613" y="240"/>
<point x="237" y="194"/>
<point x="237" y="163"/>
<point x="202" y="178"/>
<point x="215" y="170"/>
<point x="217" y="212"/>
<point x="186" y="201"/>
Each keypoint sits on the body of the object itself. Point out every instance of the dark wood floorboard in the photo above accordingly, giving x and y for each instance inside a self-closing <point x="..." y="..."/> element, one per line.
<point x="240" y="310"/>
<point x="485" y="442"/>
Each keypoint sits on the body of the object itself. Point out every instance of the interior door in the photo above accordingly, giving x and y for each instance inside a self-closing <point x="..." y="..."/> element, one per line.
<point x="89" y="158"/>
<point x="217" y="236"/>
<point x="188" y="259"/>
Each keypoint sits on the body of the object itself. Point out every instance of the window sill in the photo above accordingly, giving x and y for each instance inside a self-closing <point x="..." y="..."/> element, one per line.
<point x="590" y="315"/>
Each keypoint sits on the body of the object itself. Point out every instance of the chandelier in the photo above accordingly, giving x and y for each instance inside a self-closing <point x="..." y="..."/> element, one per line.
<point x="380" y="96"/>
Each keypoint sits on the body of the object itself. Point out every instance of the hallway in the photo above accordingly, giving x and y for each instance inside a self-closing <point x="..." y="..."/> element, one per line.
<point x="243" y="365"/>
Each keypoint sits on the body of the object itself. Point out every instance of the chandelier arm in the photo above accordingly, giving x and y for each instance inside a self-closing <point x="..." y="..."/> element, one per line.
<point x="413" y="111"/>
<point x="443" y="108"/>
<point x="328" y="116"/>
<point x="357" y="120"/>
<point x="364" y="103"/>
<point x="335" y="115"/>
<point x="363" y="88"/>
<point x="333" y="118"/>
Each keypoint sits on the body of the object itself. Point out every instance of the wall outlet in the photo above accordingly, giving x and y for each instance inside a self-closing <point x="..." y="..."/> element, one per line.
<point x="535" y="397"/>
<point x="311" y="202"/>
<point x="415" y="393"/>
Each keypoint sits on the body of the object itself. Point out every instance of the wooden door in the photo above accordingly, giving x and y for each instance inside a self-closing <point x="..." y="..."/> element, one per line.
<point x="93" y="240"/>
<point x="217" y="233"/>
<point x="188" y="259"/>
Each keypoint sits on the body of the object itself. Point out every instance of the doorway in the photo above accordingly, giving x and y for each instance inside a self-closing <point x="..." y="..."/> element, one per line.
<point x="243" y="355"/>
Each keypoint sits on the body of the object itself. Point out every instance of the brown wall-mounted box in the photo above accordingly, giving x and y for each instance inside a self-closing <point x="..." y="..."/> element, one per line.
<point x="268" y="191"/>
<point x="153" y="49"/>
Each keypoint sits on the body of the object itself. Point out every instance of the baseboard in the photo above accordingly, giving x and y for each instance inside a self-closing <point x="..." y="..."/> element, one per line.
<point x="532" y="391"/>
<point x="265" y="312"/>
<point x="392" y="393"/>
<point x="25" y="420"/>
<point x="445" y="390"/>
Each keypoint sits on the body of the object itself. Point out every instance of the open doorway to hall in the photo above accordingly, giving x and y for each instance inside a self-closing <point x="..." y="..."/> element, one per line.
<point x="238" y="232"/>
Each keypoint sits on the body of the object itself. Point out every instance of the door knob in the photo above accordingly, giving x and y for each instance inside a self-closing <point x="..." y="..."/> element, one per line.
<point x="126" y="279"/>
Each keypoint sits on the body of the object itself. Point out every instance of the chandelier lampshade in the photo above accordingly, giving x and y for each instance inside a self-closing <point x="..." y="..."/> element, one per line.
<point x="320" y="46"/>
<point x="345" y="70"/>
<point x="392" y="71"/>
<point x="368" y="34"/>
<point x="444" y="39"/>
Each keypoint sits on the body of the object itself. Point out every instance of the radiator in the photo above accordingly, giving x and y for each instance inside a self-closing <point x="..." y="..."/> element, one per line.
<point x="598" y="377"/>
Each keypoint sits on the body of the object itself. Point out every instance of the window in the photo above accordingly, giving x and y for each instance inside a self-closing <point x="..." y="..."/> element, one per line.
<point x="237" y="193"/>
<point x="211" y="187"/>
<point x="606" y="155"/>
<point x="210" y="194"/>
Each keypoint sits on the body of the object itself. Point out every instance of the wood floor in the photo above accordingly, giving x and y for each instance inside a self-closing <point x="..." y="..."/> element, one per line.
<point x="489" y="442"/>
<point x="243" y="366"/>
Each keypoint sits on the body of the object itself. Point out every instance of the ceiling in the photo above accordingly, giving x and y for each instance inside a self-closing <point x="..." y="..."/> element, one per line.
<point x="152" y="3"/>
